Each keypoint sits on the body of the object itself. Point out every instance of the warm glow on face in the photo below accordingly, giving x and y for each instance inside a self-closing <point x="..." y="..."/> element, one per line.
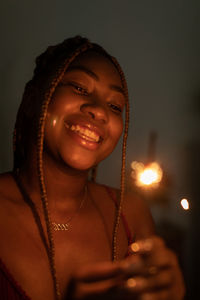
<point x="150" y="175"/>
<point x="185" y="204"/>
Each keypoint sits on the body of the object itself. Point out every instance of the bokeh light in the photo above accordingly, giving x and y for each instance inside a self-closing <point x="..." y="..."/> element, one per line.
<point x="185" y="204"/>
<point x="146" y="176"/>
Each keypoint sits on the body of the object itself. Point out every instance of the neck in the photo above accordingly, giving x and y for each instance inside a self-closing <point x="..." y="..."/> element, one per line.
<point x="64" y="186"/>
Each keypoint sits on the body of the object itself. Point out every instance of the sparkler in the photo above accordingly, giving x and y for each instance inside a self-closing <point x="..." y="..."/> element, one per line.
<point x="146" y="176"/>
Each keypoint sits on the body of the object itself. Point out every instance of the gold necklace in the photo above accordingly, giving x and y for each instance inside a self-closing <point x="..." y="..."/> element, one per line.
<point x="66" y="226"/>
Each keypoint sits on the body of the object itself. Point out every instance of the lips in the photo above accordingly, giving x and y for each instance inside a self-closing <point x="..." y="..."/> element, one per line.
<point x="87" y="132"/>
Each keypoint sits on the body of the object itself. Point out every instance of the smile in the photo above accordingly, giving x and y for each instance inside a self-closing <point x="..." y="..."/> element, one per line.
<point x="85" y="133"/>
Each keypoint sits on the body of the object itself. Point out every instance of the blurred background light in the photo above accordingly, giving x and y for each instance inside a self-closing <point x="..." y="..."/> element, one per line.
<point x="146" y="176"/>
<point x="185" y="204"/>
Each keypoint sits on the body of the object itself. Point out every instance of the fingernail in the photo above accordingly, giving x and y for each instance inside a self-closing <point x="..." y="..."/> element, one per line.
<point x="135" y="247"/>
<point x="135" y="283"/>
<point x="131" y="283"/>
<point x="141" y="246"/>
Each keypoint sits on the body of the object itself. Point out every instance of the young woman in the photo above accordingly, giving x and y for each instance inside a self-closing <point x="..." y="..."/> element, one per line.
<point x="64" y="236"/>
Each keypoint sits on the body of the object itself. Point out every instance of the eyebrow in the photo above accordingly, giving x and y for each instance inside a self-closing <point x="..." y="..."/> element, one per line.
<point x="95" y="76"/>
<point x="84" y="69"/>
<point x="117" y="89"/>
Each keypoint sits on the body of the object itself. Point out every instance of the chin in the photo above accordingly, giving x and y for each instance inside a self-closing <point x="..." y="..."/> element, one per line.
<point x="80" y="164"/>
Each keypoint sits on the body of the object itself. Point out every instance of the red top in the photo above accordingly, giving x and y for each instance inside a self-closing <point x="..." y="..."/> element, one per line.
<point x="11" y="290"/>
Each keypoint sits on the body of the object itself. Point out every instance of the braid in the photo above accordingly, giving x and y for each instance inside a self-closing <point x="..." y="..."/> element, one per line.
<point x="50" y="69"/>
<point x="123" y="167"/>
<point x="40" y="142"/>
<point x="47" y="65"/>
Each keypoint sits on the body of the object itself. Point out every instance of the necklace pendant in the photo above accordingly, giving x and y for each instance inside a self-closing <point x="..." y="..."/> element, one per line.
<point x="66" y="226"/>
<point x="60" y="226"/>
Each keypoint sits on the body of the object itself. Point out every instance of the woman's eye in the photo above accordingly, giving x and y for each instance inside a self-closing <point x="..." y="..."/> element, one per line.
<point x="116" y="108"/>
<point x="79" y="89"/>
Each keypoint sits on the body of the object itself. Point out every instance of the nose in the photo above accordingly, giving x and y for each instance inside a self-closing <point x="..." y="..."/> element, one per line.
<point x="95" y="111"/>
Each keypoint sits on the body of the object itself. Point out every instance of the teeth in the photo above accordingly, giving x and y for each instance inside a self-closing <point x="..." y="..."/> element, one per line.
<point x="85" y="133"/>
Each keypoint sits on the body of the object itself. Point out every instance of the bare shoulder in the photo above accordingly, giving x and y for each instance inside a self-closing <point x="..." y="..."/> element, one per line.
<point x="8" y="189"/>
<point x="5" y="182"/>
<point x="138" y="215"/>
<point x="134" y="208"/>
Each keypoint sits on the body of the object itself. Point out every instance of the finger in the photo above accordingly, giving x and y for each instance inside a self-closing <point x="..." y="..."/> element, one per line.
<point x="136" y="265"/>
<point x="133" y="265"/>
<point x="156" y="282"/>
<point x="164" y="259"/>
<point x="146" y="246"/>
<point x="105" y="289"/>
<point x="155" y="253"/>
<point x="157" y="259"/>
<point x="98" y="272"/>
<point x="164" y="272"/>
<point x="159" y="295"/>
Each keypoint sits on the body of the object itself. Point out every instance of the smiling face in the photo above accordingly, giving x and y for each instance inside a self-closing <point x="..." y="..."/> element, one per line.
<point x="84" y="120"/>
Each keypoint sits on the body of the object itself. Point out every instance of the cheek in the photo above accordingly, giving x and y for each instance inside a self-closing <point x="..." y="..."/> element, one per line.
<point x="63" y="101"/>
<point x="52" y="129"/>
<point x="116" y="130"/>
<point x="53" y="122"/>
<point x="59" y="105"/>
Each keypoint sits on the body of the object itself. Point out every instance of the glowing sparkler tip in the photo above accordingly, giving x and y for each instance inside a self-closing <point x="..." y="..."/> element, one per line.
<point x="150" y="175"/>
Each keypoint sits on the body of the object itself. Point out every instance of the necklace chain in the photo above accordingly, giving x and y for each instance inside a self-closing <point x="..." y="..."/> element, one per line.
<point x="66" y="226"/>
<point x="27" y="199"/>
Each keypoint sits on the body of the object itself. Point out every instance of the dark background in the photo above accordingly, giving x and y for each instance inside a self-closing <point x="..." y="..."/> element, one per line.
<point x="158" y="45"/>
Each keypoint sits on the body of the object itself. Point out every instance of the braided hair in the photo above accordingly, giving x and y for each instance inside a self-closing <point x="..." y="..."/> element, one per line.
<point x="50" y="69"/>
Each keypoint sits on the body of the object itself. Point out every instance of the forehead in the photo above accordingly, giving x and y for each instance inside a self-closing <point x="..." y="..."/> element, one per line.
<point x="98" y="63"/>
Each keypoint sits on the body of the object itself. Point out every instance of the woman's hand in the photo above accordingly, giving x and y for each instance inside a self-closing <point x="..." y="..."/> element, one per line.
<point x="102" y="281"/>
<point x="158" y="274"/>
<point x="151" y="272"/>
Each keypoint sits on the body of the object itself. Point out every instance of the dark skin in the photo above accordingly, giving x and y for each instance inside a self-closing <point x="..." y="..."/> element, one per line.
<point x="83" y="254"/>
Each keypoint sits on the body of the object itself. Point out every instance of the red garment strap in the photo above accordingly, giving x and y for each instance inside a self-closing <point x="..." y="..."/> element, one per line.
<point x="9" y="287"/>
<point x="125" y="223"/>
